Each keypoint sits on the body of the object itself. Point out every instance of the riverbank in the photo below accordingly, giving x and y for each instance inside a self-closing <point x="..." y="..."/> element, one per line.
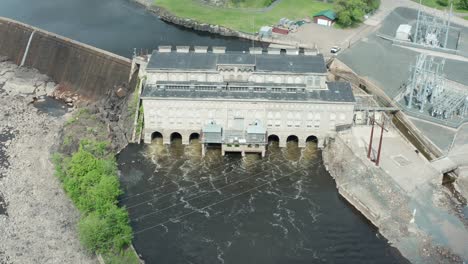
<point x="40" y="221"/>
<point x="189" y="23"/>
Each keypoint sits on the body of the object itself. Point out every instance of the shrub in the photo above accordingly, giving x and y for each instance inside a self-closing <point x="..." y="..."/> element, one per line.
<point x="90" y="178"/>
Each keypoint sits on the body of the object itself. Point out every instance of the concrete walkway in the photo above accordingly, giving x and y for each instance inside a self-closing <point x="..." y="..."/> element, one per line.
<point x="411" y="207"/>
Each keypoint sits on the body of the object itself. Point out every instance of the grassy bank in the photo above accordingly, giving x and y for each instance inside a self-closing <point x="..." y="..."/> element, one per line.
<point x="85" y="164"/>
<point x="242" y="20"/>
<point x="249" y="3"/>
<point x="436" y="4"/>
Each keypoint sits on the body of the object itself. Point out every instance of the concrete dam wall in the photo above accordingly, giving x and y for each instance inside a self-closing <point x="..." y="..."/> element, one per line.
<point x="77" y="67"/>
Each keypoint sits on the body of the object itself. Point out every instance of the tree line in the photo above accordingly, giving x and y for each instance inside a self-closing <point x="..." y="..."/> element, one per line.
<point x="352" y="12"/>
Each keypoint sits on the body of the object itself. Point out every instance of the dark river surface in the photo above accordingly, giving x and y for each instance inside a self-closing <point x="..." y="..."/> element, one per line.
<point x="188" y="209"/>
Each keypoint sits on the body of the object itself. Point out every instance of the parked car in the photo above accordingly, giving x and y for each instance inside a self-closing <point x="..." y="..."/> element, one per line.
<point x="335" y="49"/>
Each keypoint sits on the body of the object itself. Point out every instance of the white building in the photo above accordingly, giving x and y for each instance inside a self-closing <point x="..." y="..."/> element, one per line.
<point x="239" y="95"/>
<point x="403" y="32"/>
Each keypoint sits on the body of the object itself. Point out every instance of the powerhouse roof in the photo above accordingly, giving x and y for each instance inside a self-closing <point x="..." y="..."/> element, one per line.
<point x="336" y="92"/>
<point x="191" y="61"/>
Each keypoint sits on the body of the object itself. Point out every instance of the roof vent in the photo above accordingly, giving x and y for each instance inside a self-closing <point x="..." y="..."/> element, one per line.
<point x="165" y="49"/>
<point x="256" y="50"/>
<point x="219" y="49"/>
<point x="182" y="49"/>
<point x="274" y="51"/>
<point x="201" y="49"/>
<point x="292" y="52"/>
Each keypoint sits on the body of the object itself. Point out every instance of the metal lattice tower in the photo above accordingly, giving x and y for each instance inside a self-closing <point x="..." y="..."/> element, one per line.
<point x="432" y="31"/>
<point x="429" y="91"/>
<point x="426" y="81"/>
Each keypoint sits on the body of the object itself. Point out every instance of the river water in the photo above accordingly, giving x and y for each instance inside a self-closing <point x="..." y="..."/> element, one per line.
<point x="188" y="209"/>
<point x="280" y="209"/>
<point x="117" y="26"/>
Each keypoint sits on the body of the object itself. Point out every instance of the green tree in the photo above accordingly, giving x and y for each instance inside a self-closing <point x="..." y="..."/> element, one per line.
<point x="462" y="4"/>
<point x="107" y="232"/>
<point x="372" y="5"/>
<point x="350" y="12"/>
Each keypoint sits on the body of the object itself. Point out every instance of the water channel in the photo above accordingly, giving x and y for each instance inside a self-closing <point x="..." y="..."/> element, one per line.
<point x="188" y="209"/>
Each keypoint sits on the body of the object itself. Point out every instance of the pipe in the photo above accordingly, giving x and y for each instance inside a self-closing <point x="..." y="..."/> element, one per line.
<point x="27" y="49"/>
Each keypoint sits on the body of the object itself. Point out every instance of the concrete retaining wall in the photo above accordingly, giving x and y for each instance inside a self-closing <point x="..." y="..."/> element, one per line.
<point x="77" y="67"/>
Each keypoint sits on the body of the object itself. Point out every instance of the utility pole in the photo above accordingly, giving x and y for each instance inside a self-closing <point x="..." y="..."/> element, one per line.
<point x="371" y="136"/>
<point x="380" y="143"/>
<point x="379" y="151"/>
<point x="448" y="25"/>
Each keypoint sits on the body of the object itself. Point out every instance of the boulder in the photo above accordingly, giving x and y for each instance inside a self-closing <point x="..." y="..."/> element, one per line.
<point x="121" y="92"/>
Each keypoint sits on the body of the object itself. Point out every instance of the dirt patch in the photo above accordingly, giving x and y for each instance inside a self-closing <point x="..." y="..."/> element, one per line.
<point x="41" y="220"/>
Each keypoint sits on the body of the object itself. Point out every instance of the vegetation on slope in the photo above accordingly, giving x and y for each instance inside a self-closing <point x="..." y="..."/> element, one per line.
<point x="458" y="5"/>
<point x="86" y="166"/>
<point x="352" y="12"/>
<point x="243" y="20"/>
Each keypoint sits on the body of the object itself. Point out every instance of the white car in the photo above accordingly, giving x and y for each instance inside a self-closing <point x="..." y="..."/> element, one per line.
<point x="335" y="49"/>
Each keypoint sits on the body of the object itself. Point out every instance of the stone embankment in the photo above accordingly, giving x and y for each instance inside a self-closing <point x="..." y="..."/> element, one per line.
<point x="167" y="16"/>
<point x="383" y="202"/>
<point x="39" y="223"/>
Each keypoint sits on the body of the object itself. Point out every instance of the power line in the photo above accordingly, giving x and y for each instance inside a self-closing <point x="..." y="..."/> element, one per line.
<point x="190" y="186"/>
<point x="199" y="196"/>
<point x="176" y="182"/>
<point x="208" y="206"/>
<point x="280" y="154"/>
<point x="216" y="203"/>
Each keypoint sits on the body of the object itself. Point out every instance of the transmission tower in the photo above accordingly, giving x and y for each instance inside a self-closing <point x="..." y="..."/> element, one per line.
<point x="432" y="31"/>
<point x="429" y="91"/>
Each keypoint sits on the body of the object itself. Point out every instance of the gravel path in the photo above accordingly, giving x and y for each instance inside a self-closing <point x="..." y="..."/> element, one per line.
<point x="39" y="225"/>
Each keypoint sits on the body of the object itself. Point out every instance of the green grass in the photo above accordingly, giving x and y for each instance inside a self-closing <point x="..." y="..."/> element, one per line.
<point x="140" y="120"/>
<point x="127" y="256"/>
<point x="249" y="3"/>
<point x="465" y="17"/>
<point x="242" y="20"/>
<point x="434" y="4"/>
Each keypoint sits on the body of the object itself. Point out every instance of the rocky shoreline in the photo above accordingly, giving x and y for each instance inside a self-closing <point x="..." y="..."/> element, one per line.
<point x="39" y="223"/>
<point x="168" y="17"/>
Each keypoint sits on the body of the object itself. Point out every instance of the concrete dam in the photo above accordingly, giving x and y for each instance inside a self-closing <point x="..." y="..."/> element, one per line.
<point x="75" y="66"/>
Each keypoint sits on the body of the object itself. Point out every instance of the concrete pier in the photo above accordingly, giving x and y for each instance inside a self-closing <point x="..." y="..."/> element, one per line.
<point x="403" y="197"/>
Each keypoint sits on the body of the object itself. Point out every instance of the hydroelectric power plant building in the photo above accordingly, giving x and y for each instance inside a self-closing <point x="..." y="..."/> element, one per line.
<point x="240" y="100"/>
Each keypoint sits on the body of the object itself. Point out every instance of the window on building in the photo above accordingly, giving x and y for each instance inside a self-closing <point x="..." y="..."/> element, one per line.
<point x="277" y="123"/>
<point x="317" y="82"/>
<point x="291" y="90"/>
<point x="260" y="89"/>
<point x="276" y="90"/>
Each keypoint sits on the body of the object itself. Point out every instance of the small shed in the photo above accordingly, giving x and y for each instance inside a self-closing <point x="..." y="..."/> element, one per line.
<point x="265" y="31"/>
<point x="403" y="32"/>
<point x="325" y="18"/>
<point x="212" y="133"/>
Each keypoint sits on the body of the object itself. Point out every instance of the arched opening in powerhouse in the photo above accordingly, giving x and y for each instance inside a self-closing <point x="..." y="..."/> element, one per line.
<point x="156" y="135"/>
<point x="194" y="136"/>
<point x="273" y="138"/>
<point x="292" y="138"/>
<point x="176" y="136"/>
<point x="312" y="138"/>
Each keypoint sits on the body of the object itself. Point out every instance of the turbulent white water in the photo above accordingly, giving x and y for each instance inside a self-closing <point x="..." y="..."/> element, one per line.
<point x="280" y="209"/>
